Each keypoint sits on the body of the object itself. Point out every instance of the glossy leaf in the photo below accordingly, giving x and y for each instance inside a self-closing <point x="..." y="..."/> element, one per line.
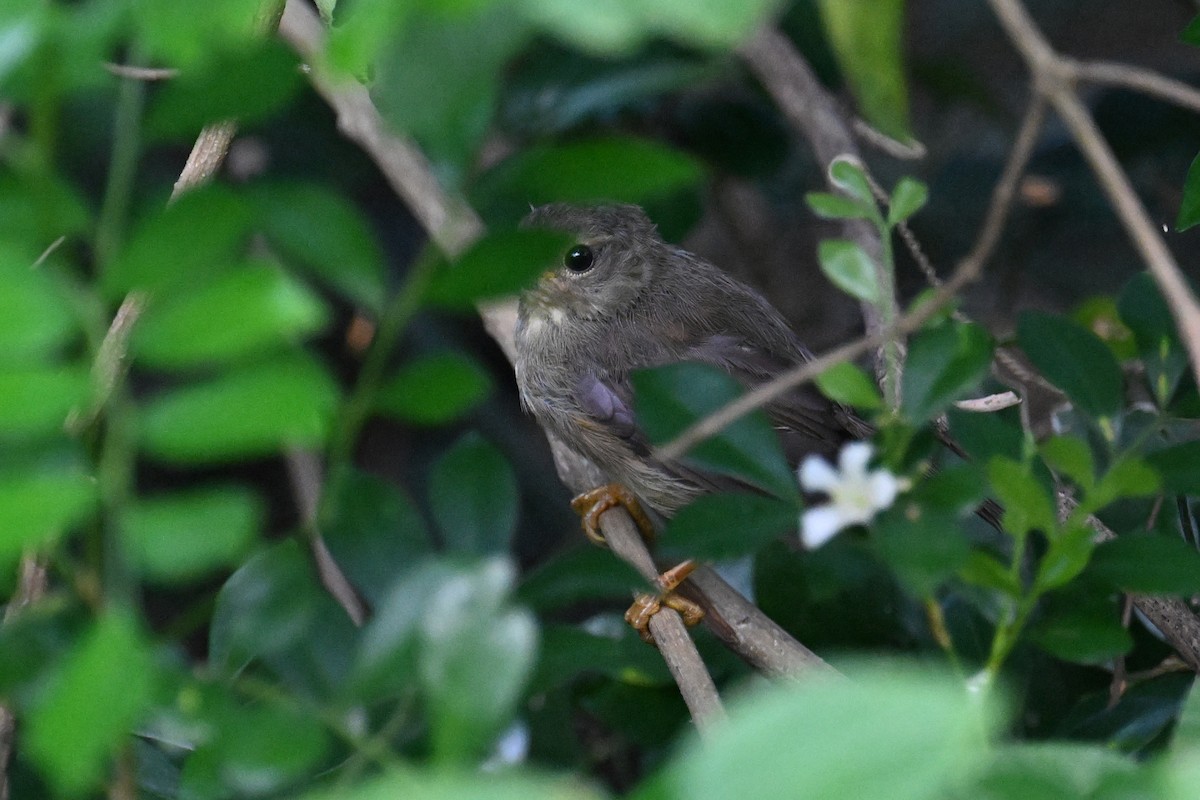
<point x="249" y="311"/>
<point x="1074" y="360"/>
<point x="90" y="707"/>
<point x="435" y="389"/>
<point x="181" y="536"/>
<point x="497" y="265"/>
<point x="670" y="398"/>
<point x="473" y="496"/>
<point x="943" y="364"/>
<point x="730" y="525"/>
<point x="1148" y="564"/>
<point x="848" y="384"/>
<point x="251" y="412"/>
<point x="849" y="268"/>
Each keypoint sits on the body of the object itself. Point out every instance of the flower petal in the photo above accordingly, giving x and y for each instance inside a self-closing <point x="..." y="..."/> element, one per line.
<point x="853" y="459"/>
<point x="819" y="525"/>
<point x="818" y="475"/>
<point x="882" y="488"/>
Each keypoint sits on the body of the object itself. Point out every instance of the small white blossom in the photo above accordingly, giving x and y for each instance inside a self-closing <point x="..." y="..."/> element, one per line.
<point x="855" y="494"/>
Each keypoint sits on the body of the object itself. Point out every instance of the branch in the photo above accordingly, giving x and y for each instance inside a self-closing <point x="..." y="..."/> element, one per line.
<point x="31" y="585"/>
<point x="1054" y="79"/>
<point x="1139" y="79"/>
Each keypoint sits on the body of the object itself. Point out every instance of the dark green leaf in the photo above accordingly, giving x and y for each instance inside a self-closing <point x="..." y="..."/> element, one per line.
<point x="836" y="206"/>
<point x="37" y="320"/>
<point x="983" y="569"/>
<point x="848" y="384"/>
<point x="182" y="536"/>
<point x="943" y="363"/>
<point x="1148" y="564"/>
<point x="849" y="268"/>
<point x="1027" y="506"/>
<point x="473" y="496"/>
<point x="248" y="85"/>
<point x="1179" y="467"/>
<point x="1071" y="457"/>
<point x="324" y="234"/>
<point x="264" y="607"/>
<point x="1082" y="638"/>
<point x="434" y="390"/>
<point x="1129" y="477"/>
<point x="255" y="411"/>
<point x="1189" y="206"/>
<point x="37" y="506"/>
<point x="250" y="311"/>
<point x="598" y="170"/>
<point x="958" y="489"/>
<point x="907" y="199"/>
<point x="576" y="575"/>
<point x="36" y="401"/>
<point x="868" y="39"/>
<point x="722" y="526"/>
<point x="89" y="708"/>
<point x="987" y="435"/>
<point x="670" y="398"/>
<point x="1144" y="310"/>
<point x="569" y="652"/>
<point x="497" y="265"/>
<point x="923" y="546"/>
<point x="1073" y="359"/>
<point x="1067" y="556"/>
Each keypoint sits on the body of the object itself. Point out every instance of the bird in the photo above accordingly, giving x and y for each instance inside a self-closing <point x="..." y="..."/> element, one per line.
<point x="622" y="299"/>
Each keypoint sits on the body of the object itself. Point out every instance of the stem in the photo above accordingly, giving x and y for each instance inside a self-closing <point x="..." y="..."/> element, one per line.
<point x="888" y="313"/>
<point x="126" y="147"/>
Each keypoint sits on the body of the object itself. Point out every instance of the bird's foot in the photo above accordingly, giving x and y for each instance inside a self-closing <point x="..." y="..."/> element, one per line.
<point x="590" y="505"/>
<point x="646" y="606"/>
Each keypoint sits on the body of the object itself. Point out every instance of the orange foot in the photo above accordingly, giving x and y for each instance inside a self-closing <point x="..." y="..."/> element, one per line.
<point x="646" y="606"/>
<point x="590" y="505"/>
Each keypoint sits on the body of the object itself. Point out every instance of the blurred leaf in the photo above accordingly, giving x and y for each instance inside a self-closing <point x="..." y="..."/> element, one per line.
<point x="1189" y="206"/>
<point x="983" y="569"/>
<point x="249" y="85"/>
<point x="476" y="656"/>
<point x="848" y="384"/>
<point x="23" y="26"/>
<point x="868" y="40"/>
<point x="847" y="174"/>
<point x="1060" y="771"/>
<point x="1191" y="34"/>
<point x="321" y="232"/>
<point x="1067" y="556"/>
<point x="362" y="29"/>
<point x="574" y="576"/>
<point x="1027" y="506"/>
<point x="36" y="205"/>
<point x="189" y="242"/>
<point x="473" y="496"/>
<point x="497" y="265"/>
<point x="1143" y="712"/>
<point x="670" y="398"/>
<point x="613" y="170"/>
<point x="444" y="784"/>
<point x="907" y="199"/>
<point x="849" y="268"/>
<point x="1100" y="315"/>
<point x="893" y="731"/>
<point x="1178" y="466"/>
<point x="38" y="505"/>
<point x="257" y="410"/>
<point x="89" y="708"/>
<point x="1147" y="564"/>
<point x="943" y="363"/>
<point x="1128" y="477"/>
<point x="1144" y="310"/>
<point x="958" y="489"/>
<point x="249" y="311"/>
<point x="35" y="401"/>
<point x="1074" y="360"/>
<point x="835" y="206"/>
<point x="727" y="525"/>
<point x="1082" y="632"/>
<point x="569" y="652"/>
<point x="264" y="607"/>
<point x="923" y="546"/>
<point x="1070" y="456"/>
<point x="987" y="435"/>
<point x="435" y="389"/>
<point x="38" y="319"/>
<point x="184" y="34"/>
<point x="177" y="537"/>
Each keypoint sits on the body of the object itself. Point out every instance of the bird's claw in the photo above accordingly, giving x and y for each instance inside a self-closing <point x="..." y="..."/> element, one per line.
<point x="592" y="504"/>
<point x="646" y="606"/>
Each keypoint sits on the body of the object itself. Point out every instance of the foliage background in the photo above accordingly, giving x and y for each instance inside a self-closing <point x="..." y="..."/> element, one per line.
<point x="292" y="329"/>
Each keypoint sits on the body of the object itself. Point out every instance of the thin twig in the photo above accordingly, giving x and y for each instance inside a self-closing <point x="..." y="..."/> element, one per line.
<point x="31" y="585"/>
<point x="206" y="158"/>
<point x="1139" y="79"/>
<point x="141" y="73"/>
<point x="989" y="404"/>
<point x="905" y="151"/>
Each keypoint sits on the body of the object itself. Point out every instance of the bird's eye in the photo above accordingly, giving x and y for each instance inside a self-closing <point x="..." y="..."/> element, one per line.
<point x="579" y="258"/>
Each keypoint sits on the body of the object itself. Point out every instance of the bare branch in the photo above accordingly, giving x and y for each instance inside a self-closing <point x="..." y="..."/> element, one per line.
<point x="141" y="73"/>
<point x="1139" y="79"/>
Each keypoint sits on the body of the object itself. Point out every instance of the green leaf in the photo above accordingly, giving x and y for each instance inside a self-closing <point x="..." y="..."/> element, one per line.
<point x="1027" y="506"/>
<point x="324" y="234"/>
<point x="264" y="607"/>
<point x="907" y="199"/>
<point x="1070" y="456"/>
<point x="37" y="321"/>
<point x="1148" y="564"/>
<point x="183" y="34"/>
<point x="847" y="174"/>
<point x="1067" y="556"/>
<point x="267" y="78"/>
<point x="1144" y="310"/>
<point x="89" y="708"/>
<point x="29" y="202"/>
<point x="611" y="170"/>
<point x="848" y="384"/>
<point x="836" y="206"/>
<point x="1053" y="770"/>
<point x="37" y="506"/>
<point x="1073" y="359"/>
<point x="1189" y="206"/>
<point x="894" y="731"/>
<point x="1179" y="467"/>
<point x="1191" y="34"/>
<point x="849" y="268"/>
<point x="254" y="411"/>
<point x="446" y="784"/>
<point x="1081" y="628"/>
<point x="434" y="390"/>
<point x="473" y="496"/>
<point x="923" y="546"/>
<point x="983" y="569"/>
<point x="868" y="39"/>
<point x="670" y="398"/>
<point x="189" y="242"/>
<point x="943" y="364"/>
<point x="497" y="265"/>
<point x="1129" y="477"/>
<point x="35" y="401"/>
<point x="247" y="312"/>
<point x="727" y="525"/>
<point x="178" y="537"/>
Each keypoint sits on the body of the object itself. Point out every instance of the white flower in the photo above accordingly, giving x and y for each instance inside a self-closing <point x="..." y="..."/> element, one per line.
<point x="856" y="494"/>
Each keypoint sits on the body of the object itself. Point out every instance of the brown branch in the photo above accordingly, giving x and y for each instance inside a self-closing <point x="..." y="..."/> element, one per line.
<point x="31" y="585"/>
<point x="1054" y="79"/>
<point x="141" y="73"/>
<point x="1139" y="79"/>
